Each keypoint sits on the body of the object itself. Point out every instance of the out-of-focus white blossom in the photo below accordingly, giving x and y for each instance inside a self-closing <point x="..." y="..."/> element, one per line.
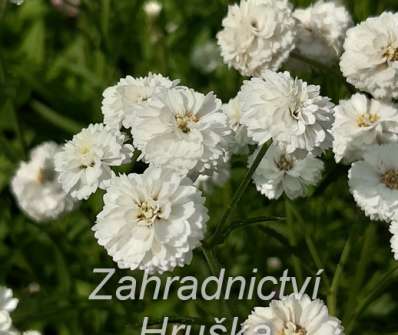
<point x="152" y="8"/>
<point x="321" y="30"/>
<point x="7" y="304"/>
<point x="36" y="188"/>
<point x="206" y="57"/>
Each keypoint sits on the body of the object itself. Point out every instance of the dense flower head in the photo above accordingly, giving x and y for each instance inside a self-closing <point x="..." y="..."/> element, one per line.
<point x="287" y="110"/>
<point x="293" y="315"/>
<point x="120" y="102"/>
<point x="280" y="172"/>
<point x="183" y="130"/>
<point x="151" y="221"/>
<point x="370" y="58"/>
<point x="84" y="163"/>
<point x="321" y="30"/>
<point x="360" y="122"/>
<point x="36" y="188"/>
<point x="374" y="181"/>
<point x="257" y="35"/>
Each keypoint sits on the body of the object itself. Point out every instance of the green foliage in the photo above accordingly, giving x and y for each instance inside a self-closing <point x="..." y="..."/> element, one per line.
<point x="53" y="69"/>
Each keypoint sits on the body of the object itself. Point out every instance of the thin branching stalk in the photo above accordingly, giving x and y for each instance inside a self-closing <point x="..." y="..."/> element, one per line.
<point x="238" y="195"/>
<point x="365" y="302"/>
<point x="292" y="239"/>
<point x="332" y="295"/>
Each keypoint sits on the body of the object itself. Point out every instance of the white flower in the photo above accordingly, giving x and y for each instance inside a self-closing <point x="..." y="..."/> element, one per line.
<point x="121" y="100"/>
<point x="280" y="172"/>
<point x="182" y="129"/>
<point x="152" y="8"/>
<point x="359" y="122"/>
<point x="36" y="188"/>
<point x="257" y="35"/>
<point x="84" y="164"/>
<point x="240" y="139"/>
<point x="322" y="29"/>
<point x="394" y="238"/>
<point x="293" y="315"/>
<point x="370" y="58"/>
<point x="374" y="181"/>
<point x="151" y="221"/>
<point x="288" y="110"/>
<point x="7" y="304"/>
<point x="31" y="332"/>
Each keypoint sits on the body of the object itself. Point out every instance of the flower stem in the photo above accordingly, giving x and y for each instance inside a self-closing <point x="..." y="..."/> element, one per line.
<point x="374" y="292"/>
<point x="238" y="195"/>
<point x="292" y="239"/>
<point x="332" y="295"/>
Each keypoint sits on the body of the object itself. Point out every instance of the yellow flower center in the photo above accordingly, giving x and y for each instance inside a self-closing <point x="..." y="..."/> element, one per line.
<point x="390" y="179"/>
<point x="292" y="329"/>
<point x="367" y="119"/>
<point x="391" y="54"/>
<point x="184" y="120"/>
<point x="284" y="163"/>
<point x="148" y="213"/>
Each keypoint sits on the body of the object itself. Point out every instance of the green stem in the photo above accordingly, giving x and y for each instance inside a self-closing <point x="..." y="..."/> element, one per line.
<point x="360" y="270"/>
<point x="56" y="119"/>
<point x="244" y="223"/>
<point x="375" y="291"/>
<point x="238" y="195"/>
<point x="316" y="258"/>
<point x="332" y="295"/>
<point x="292" y="239"/>
<point x="20" y="134"/>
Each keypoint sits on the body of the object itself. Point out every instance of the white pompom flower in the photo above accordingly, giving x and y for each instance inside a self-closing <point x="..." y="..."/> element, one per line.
<point x="120" y="101"/>
<point x="280" y="172"/>
<point x="257" y="35"/>
<point x="183" y="130"/>
<point x="293" y="315"/>
<point x="151" y="221"/>
<point x="36" y="188"/>
<point x="84" y="163"/>
<point x="287" y="110"/>
<point x="360" y="122"/>
<point x="374" y="181"/>
<point x="370" y="58"/>
<point x="239" y="140"/>
<point x="321" y="30"/>
<point x="394" y="238"/>
<point x="7" y="304"/>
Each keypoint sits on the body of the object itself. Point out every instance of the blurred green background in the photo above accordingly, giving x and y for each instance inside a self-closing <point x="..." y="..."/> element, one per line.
<point x="53" y="69"/>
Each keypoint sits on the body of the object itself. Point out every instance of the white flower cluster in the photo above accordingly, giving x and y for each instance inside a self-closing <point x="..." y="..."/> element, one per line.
<point x="8" y="304"/>
<point x="298" y="120"/>
<point x="259" y="35"/>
